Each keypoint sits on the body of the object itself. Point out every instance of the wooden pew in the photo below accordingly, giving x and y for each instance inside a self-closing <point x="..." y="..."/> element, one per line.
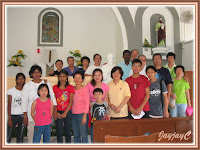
<point x="128" y="127"/>
<point x="152" y="138"/>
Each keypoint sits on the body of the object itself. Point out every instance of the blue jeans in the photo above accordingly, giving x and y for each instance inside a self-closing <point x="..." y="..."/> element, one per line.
<point x="179" y="110"/>
<point x="80" y="130"/>
<point x="67" y="127"/>
<point x="39" y="130"/>
<point x="91" y="132"/>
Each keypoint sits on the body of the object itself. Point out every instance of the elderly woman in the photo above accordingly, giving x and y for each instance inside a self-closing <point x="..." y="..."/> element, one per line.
<point x="85" y="61"/>
<point x="29" y="94"/>
<point x="171" y="63"/>
<point x="118" y="95"/>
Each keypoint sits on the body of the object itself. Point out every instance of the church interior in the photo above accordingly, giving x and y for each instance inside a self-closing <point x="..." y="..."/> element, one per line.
<point x="104" y="30"/>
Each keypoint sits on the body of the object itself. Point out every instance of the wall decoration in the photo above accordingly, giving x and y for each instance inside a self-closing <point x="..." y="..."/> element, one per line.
<point x="50" y="28"/>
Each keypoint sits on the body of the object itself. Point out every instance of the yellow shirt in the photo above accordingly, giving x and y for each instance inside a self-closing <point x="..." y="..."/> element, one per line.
<point x="116" y="95"/>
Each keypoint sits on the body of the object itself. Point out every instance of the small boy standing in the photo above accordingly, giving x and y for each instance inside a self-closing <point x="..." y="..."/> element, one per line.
<point x="139" y="86"/>
<point x="99" y="109"/>
<point x="158" y="95"/>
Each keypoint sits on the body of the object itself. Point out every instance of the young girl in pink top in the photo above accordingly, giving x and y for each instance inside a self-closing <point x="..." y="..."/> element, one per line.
<point x="80" y="109"/>
<point x="41" y="112"/>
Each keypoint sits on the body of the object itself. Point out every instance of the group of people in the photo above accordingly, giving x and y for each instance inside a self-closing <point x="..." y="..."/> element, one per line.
<point x="135" y="90"/>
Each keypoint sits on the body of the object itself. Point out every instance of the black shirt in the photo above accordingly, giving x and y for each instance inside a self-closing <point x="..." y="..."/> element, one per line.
<point x="164" y="74"/>
<point x="55" y="73"/>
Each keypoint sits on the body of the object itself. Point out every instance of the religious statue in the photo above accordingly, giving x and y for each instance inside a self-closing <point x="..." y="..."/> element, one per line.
<point x="107" y="68"/>
<point x="160" y="29"/>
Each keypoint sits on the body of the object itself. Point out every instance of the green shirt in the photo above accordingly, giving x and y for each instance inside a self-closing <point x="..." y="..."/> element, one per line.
<point x="172" y="71"/>
<point x="162" y="42"/>
<point x="180" y="87"/>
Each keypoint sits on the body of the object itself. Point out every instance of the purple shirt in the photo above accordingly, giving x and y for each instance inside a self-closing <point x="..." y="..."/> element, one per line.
<point x="69" y="71"/>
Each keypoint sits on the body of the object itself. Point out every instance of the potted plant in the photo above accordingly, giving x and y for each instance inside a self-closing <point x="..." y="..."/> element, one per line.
<point x="16" y="59"/>
<point x="77" y="57"/>
<point x="146" y="45"/>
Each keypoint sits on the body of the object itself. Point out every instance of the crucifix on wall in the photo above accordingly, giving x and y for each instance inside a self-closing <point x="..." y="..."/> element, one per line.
<point x="50" y="58"/>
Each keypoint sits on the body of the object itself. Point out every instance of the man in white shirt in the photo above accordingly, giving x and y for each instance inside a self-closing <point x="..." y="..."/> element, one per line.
<point x="143" y="59"/>
<point x="97" y="64"/>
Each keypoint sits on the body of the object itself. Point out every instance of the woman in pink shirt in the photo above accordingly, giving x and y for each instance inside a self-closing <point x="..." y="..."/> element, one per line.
<point x="80" y="109"/>
<point x="97" y="77"/>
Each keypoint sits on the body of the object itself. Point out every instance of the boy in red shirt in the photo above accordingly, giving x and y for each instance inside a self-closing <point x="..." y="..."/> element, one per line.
<point x="140" y="92"/>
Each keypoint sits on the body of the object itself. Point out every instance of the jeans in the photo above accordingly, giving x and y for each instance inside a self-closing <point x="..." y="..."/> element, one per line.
<point x="91" y="132"/>
<point x="67" y="127"/>
<point x="39" y="130"/>
<point x="16" y="120"/>
<point x="179" y="110"/>
<point x="80" y="130"/>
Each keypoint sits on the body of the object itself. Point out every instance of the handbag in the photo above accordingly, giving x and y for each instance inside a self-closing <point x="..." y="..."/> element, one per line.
<point x="172" y="102"/>
<point x="189" y="111"/>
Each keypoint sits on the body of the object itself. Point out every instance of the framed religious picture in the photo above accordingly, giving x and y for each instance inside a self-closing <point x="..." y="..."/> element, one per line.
<point x="50" y="27"/>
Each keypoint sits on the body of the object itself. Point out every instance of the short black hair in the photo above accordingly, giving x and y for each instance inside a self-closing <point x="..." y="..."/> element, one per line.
<point x="70" y="57"/>
<point x="171" y="54"/>
<point x="98" y="90"/>
<point x="126" y="51"/>
<point x="20" y="74"/>
<point x="136" y="61"/>
<point x="41" y="86"/>
<point x="179" y="66"/>
<point x="58" y="61"/>
<point x="114" y="69"/>
<point x="96" y="55"/>
<point x="156" y="54"/>
<point x="151" y="67"/>
<point x="85" y="57"/>
<point x="79" y="72"/>
<point x="33" y="68"/>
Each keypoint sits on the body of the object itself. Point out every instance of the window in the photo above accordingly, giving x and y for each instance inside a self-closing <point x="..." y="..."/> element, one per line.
<point x="50" y="27"/>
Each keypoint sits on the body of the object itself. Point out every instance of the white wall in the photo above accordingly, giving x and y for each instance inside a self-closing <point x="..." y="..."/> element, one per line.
<point x="188" y="60"/>
<point x="90" y="30"/>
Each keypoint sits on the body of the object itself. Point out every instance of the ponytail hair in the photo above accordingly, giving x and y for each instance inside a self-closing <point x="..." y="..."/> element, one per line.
<point x="63" y="72"/>
<point x="93" y="82"/>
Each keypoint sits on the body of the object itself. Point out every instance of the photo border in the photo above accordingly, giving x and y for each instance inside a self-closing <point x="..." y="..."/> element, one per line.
<point x="102" y="2"/>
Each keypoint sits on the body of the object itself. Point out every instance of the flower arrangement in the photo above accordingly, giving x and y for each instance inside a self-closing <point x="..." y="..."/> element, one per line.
<point x="147" y="44"/>
<point x="77" y="57"/>
<point x="16" y="59"/>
